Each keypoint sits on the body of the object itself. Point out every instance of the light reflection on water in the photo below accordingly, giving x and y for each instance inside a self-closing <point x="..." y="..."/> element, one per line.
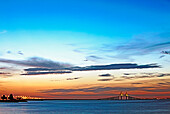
<point x="87" y="106"/>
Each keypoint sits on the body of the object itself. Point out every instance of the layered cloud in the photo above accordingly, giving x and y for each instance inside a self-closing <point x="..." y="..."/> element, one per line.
<point x="37" y="62"/>
<point x="42" y="73"/>
<point x="5" y="74"/>
<point x="45" y="66"/>
<point x="95" y="67"/>
<point x="99" y="67"/>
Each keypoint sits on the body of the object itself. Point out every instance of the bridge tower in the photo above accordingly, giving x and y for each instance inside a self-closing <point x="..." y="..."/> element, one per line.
<point x="121" y="96"/>
<point x="127" y="96"/>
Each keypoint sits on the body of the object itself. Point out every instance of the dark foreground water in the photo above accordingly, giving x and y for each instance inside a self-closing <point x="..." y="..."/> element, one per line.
<point x="87" y="107"/>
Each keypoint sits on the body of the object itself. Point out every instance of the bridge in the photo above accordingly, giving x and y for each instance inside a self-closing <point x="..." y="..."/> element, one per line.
<point x="122" y="96"/>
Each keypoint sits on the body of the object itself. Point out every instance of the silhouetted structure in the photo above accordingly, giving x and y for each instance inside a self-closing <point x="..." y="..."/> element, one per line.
<point x="127" y="96"/>
<point x="3" y="97"/>
<point x="121" y="95"/>
<point x="11" y="97"/>
<point x="19" y="98"/>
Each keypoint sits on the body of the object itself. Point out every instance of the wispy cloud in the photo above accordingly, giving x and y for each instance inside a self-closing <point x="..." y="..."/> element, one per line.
<point x="5" y="75"/>
<point x="2" y="32"/>
<point x="93" y="58"/>
<point x="145" y="76"/>
<point x="73" y="78"/>
<point x="106" y="79"/>
<point x="164" y="83"/>
<point x="42" y="73"/>
<point x="20" y="53"/>
<point x="137" y="83"/>
<point x="37" y="62"/>
<point x="137" y="46"/>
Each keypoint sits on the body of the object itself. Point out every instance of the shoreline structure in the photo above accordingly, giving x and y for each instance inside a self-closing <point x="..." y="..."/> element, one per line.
<point x="11" y="98"/>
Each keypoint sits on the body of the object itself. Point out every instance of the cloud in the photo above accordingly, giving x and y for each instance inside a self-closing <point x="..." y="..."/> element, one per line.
<point x="166" y="52"/>
<point x="42" y="73"/>
<point x="2" y="32"/>
<point x="95" y="89"/>
<point x="146" y="75"/>
<point x="5" y="75"/>
<point x="114" y="67"/>
<point x="37" y="62"/>
<point x="158" y="90"/>
<point x="93" y="58"/>
<point x="20" y="53"/>
<point x="46" y="66"/>
<point x="107" y="79"/>
<point x="40" y="69"/>
<point x="9" y="52"/>
<point x="129" y="73"/>
<point x="83" y="94"/>
<point x="165" y="83"/>
<point x="3" y="68"/>
<point x="140" y="45"/>
<point x="105" y="75"/>
<point x="136" y="49"/>
<point x="73" y="78"/>
<point x="95" y="67"/>
<point x="137" y="83"/>
<point x="161" y="56"/>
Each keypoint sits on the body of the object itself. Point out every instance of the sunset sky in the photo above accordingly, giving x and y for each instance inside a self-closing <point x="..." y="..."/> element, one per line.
<point x="84" y="48"/>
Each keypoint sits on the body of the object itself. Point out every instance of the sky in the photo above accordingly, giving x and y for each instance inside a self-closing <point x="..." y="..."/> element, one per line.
<point x="85" y="49"/>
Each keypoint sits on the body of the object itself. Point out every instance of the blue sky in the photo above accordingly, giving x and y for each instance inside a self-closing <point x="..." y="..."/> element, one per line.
<point x="84" y="22"/>
<point x="84" y="33"/>
<point x="103" y="17"/>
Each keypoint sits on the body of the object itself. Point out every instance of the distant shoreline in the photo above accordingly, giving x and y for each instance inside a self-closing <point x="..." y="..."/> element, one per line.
<point x="93" y="99"/>
<point x="25" y="100"/>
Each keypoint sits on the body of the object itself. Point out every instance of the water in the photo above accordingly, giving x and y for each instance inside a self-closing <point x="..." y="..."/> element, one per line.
<point x="87" y="107"/>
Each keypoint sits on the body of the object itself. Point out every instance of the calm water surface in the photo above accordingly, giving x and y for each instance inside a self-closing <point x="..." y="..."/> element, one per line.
<point x="87" y="107"/>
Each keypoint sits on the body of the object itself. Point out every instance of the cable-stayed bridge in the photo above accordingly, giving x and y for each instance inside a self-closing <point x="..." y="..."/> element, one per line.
<point x="121" y="96"/>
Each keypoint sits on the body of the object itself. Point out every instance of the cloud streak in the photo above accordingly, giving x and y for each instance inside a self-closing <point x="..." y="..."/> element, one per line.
<point x="107" y="79"/>
<point x="97" y="89"/>
<point x="145" y="76"/>
<point x="42" y="73"/>
<point x="95" y="67"/>
<point x="105" y="75"/>
<point x="93" y="58"/>
<point x="140" y="45"/>
<point x="46" y="66"/>
<point x="114" y="67"/>
<point x="76" y="78"/>
<point x="37" y="62"/>
<point x="2" y="32"/>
